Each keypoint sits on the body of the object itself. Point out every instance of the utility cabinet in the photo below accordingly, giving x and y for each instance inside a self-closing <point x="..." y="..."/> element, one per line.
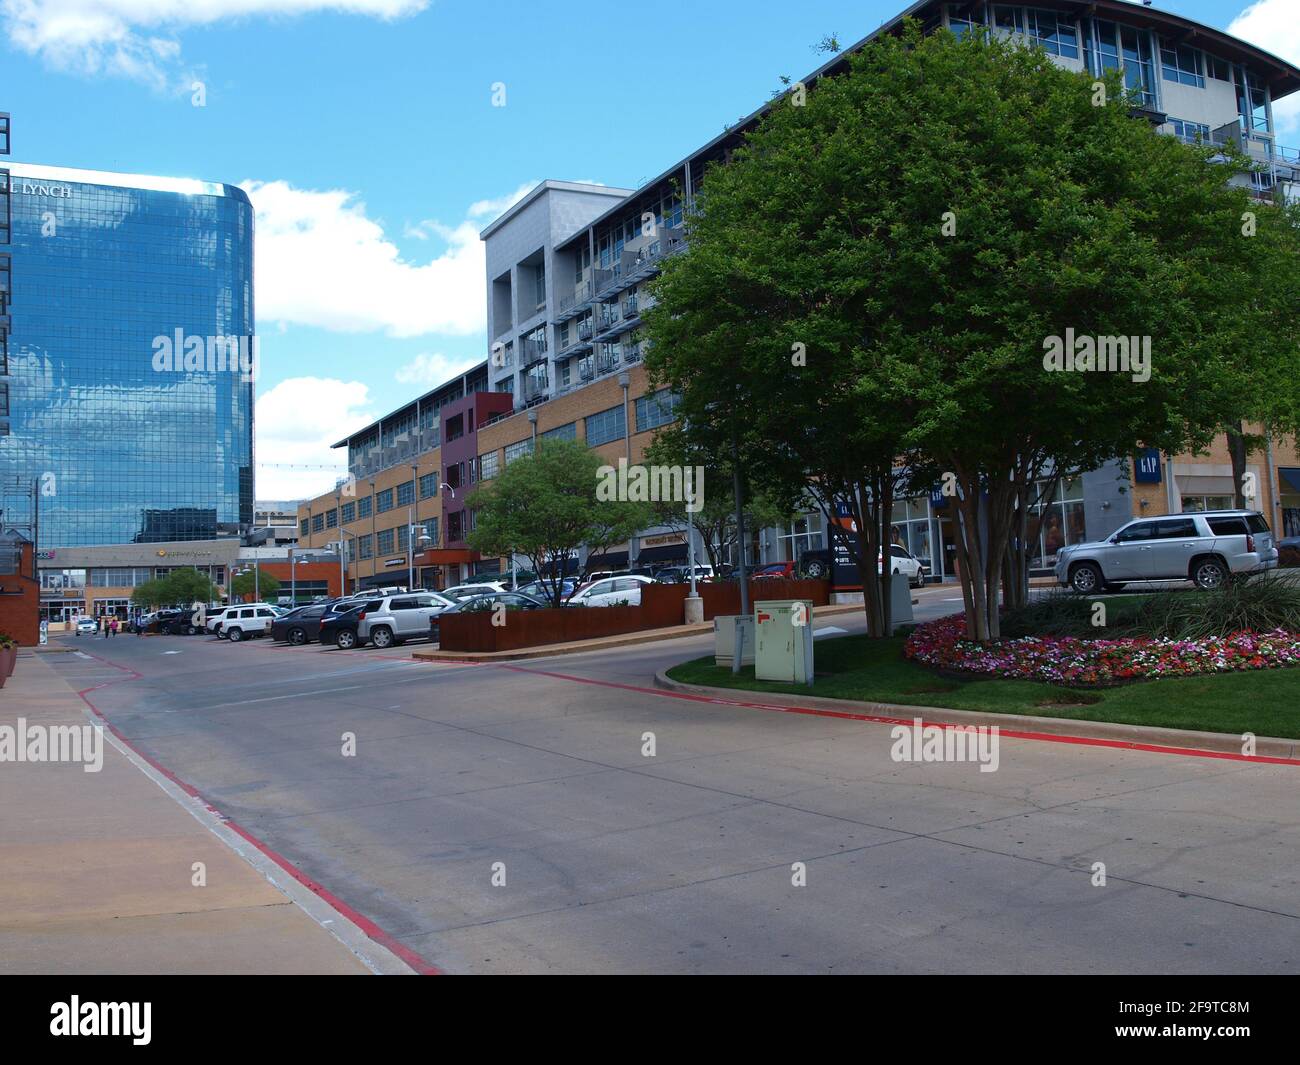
<point x="783" y="646"/>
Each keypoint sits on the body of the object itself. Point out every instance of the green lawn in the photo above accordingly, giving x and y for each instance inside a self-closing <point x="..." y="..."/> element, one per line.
<point x="1265" y="702"/>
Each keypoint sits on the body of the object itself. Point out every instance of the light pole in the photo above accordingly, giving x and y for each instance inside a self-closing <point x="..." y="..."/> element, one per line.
<point x="342" y="545"/>
<point x="410" y="546"/>
<point x="293" y="578"/>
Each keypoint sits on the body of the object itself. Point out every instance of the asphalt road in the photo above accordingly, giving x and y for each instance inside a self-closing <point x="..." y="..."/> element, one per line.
<point x="682" y="862"/>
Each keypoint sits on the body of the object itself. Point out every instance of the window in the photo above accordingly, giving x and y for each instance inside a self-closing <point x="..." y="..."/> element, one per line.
<point x="801" y="535"/>
<point x="1054" y="32"/>
<point x="1009" y="19"/>
<point x="1252" y="102"/>
<point x="302" y="527"/>
<point x="331" y="519"/>
<point x="1139" y="70"/>
<point x="403" y="537"/>
<point x="317" y="523"/>
<point x="1178" y="528"/>
<point x="349" y="513"/>
<point x="1056" y="523"/>
<point x="1227" y="526"/>
<point x="518" y="449"/>
<point x="364" y="507"/>
<point x="384" y="501"/>
<point x="1182" y="64"/>
<point x="431" y="531"/>
<point x="606" y="426"/>
<point x="963" y="18"/>
<point x="1143" y="530"/>
<point x="1196" y="504"/>
<point x="406" y="494"/>
<point x="562" y="432"/>
<point x="385" y="542"/>
<point x="488" y="465"/>
<point x="1218" y="69"/>
<point x="1191" y="132"/>
<point x="656" y="409"/>
<point x="365" y="547"/>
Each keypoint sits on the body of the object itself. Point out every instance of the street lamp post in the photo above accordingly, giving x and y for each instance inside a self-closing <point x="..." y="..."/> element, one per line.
<point x="410" y="546"/>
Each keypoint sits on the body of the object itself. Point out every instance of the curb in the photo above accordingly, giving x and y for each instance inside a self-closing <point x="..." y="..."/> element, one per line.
<point x="600" y="643"/>
<point x="1107" y="733"/>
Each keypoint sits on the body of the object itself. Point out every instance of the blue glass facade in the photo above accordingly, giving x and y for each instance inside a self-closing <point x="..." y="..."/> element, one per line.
<point x="131" y="356"/>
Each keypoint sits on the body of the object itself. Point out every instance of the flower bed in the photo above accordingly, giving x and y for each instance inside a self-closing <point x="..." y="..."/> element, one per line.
<point x="1095" y="663"/>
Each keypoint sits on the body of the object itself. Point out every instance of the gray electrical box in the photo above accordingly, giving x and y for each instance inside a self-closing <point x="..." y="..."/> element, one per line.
<point x="783" y="646"/>
<point x="724" y="639"/>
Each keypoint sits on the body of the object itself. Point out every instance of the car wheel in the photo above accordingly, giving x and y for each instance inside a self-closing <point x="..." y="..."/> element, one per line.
<point x="236" y="635"/>
<point x="222" y="634"/>
<point x="1209" y="573"/>
<point x="381" y="637"/>
<point x="297" y="637"/>
<point x="1085" y="578"/>
<point x="192" y="630"/>
<point x="816" y="569"/>
<point x="346" y="639"/>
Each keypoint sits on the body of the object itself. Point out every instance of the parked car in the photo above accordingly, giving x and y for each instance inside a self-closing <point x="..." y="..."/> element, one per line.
<point x="465" y="591"/>
<point x="215" y="623"/>
<point x="1206" y="548"/>
<point x="398" y="618"/>
<point x="542" y="589"/>
<point x="339" y="627"/>
<point x="87" y="627"/>
<point x="681" y="574"/>
<point x="247" y="621"/>
<point x="299" y="626"/>
<point x="774" y="570"/>
<point x="903" y="563"/>
<point x="612" y="591"/>
<point x="490" y="601"/>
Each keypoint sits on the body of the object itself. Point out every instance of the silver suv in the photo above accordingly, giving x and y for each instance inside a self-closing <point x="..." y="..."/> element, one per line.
<point x="400" y="617"/>
<point x="1205" y="548"/>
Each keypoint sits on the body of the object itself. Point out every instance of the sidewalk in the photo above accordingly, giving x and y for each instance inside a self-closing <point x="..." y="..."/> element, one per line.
<point x="96" y="869"/>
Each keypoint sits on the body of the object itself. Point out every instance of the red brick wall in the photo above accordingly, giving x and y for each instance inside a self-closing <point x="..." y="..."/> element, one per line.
<point x="20" y="605"/>
<point x="305" y="571"/>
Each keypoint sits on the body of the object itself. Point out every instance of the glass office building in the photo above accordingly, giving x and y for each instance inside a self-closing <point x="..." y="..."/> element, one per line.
<point x="128" y="389"/>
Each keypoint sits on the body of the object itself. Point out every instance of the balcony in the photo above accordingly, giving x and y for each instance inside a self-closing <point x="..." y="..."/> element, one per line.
<point x="573" y="304"/>
<point x="532" y="349"/>
<point x="584" y="329"/>
<point x="586" y="369"/>
<point x="606" y="361"/>
<point x="631" y="309"/>
<point x="632" y="352"/>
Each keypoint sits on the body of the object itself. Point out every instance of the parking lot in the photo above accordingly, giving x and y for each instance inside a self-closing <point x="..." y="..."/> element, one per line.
<point x="509" y="818"/>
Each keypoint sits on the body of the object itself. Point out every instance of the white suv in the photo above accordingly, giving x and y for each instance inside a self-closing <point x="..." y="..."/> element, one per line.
<point x="400" y="617"/>
<point x="612" y="591"/>
<point x="246" y="621"/>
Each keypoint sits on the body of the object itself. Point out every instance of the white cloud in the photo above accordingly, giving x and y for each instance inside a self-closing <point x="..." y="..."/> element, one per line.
<point x="322" y="261"/>
<point x="426" y="369"/>
<point x="1274" y="26"/>
<point x="481" y="211"/>
<point x="137" y="38"/>
<point x="297" y="421"/>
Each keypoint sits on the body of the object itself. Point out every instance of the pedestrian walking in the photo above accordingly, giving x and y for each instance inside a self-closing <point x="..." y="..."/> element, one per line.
<point x="112" y="626"/>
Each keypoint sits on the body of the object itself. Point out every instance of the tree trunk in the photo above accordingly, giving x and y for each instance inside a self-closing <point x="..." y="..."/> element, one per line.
<point x="1239" y="452"/>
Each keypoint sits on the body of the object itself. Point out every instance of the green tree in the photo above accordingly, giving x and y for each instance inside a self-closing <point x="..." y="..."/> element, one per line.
<point x="246" y="585"/>
<point x="148" y="594"/>
<point x="714" y="517"/>
<point x="180" y="587"/>
<point x="873" y="283"/>
<point x="544" y="506"/>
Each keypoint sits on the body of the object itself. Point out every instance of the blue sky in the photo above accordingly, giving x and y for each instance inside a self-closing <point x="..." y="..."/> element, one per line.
<point x="365" y="134"/>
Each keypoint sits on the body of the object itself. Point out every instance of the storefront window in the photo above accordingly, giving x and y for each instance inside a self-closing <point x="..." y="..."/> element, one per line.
<point x="1289" y="496"/>
<point x="801" y="535"/>
<point x="1057" y="523"/>
<point x="1198" y="504"/>
<point x="911" y="527"/>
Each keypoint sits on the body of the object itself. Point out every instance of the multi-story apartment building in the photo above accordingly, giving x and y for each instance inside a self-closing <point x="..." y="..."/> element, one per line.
<point x="566" y="270"/>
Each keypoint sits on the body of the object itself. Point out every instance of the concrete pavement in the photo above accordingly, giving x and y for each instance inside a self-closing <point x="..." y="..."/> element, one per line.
<point x="98" y="870"/>
<point x="506" y="818"/>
